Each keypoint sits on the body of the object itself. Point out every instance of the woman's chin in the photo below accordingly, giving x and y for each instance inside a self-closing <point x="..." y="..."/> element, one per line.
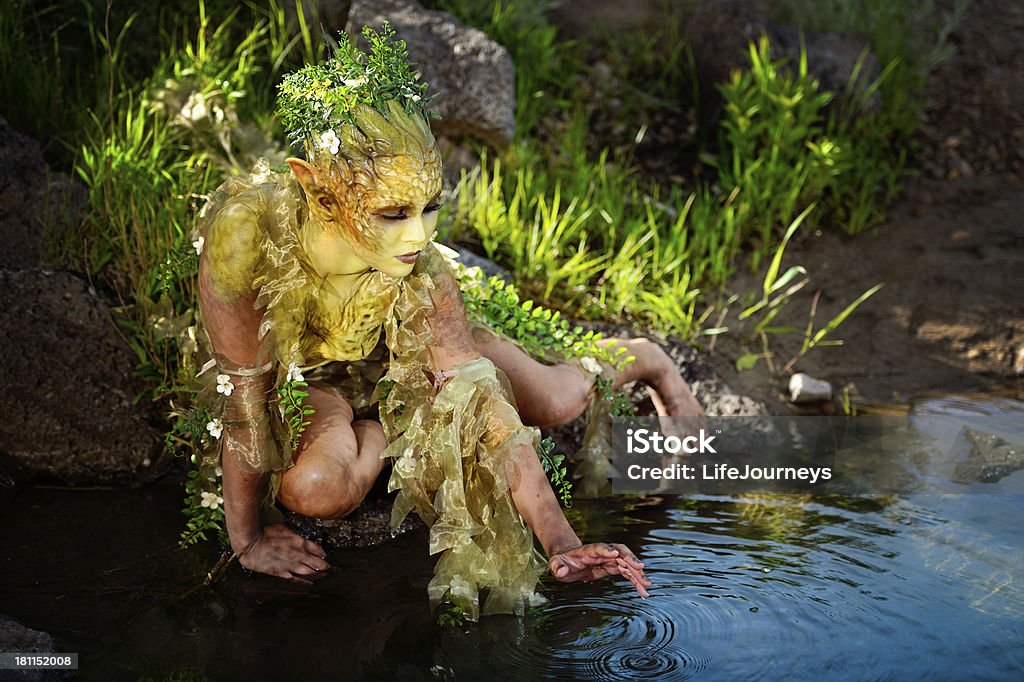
<point x="397" y="269"/>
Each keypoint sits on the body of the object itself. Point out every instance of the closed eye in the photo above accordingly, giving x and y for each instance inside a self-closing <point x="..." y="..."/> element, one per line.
<point x="432" y="208"/>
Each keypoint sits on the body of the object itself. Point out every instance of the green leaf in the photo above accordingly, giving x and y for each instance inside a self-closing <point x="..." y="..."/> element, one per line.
<point x="745" y="362"/>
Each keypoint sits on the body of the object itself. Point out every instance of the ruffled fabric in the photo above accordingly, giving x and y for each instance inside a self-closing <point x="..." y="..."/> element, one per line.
<point x="450" y="449"/>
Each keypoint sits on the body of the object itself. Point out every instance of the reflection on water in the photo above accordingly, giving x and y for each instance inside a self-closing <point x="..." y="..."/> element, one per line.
<point x="769" y="586"/>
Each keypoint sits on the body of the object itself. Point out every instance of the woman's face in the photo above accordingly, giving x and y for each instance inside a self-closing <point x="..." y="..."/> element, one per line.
<point x="391" y="218"/>
<point x="397" y="214"/>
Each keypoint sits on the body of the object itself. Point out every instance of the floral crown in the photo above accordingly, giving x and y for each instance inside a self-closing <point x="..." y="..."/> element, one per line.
<point x="318" y="99"/>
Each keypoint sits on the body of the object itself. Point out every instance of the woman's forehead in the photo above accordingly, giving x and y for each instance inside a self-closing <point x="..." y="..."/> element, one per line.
<point x="406" y="179"/>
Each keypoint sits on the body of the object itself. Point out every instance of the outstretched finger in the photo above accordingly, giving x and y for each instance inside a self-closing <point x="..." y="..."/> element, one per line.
<point x="625" y="554"/>
<point x="639" y="574"/>
<point x="315" y="562"/>
<point x="637" y="580"/>
<point x="303" y="569"/>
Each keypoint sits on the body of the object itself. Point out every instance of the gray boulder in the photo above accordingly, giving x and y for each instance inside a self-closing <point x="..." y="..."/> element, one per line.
<point x="67" y="386"/>
<point x="473" y="76"/>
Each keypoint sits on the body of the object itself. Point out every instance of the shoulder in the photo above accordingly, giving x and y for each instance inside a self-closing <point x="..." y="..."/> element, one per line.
<point x="235" y="226"/>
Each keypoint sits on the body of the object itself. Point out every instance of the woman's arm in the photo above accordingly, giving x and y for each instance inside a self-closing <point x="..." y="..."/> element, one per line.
<point x="232" y="324"/>
<point x="568" y="559"/>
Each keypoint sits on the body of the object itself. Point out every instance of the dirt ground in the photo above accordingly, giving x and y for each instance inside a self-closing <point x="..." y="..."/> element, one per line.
<point x="950" y="317"/>
<point x="950" y="253"/>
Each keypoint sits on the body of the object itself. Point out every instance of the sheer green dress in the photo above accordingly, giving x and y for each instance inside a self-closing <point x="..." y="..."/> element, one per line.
<point x="448" y="440"/>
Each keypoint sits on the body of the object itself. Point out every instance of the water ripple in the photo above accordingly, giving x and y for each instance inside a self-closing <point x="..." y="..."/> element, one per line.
<point x="635" y="640"/>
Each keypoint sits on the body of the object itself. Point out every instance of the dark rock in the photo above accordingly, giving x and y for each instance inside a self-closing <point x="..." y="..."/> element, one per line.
<point x="458" y="158"/>
<point x="68" y="385"/>
<point x="16" y="638"/>
<point x="473" y="76"/>
<point x="33" y="200"/>
<point x="719" y="33"/>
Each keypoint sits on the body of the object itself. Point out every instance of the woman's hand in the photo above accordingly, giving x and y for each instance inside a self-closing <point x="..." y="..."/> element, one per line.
<point x="282" y="552"/>
<point x="597" y="560"/>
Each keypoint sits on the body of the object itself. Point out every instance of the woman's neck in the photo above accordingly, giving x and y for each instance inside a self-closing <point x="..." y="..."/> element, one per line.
<point x="331" y="257"/>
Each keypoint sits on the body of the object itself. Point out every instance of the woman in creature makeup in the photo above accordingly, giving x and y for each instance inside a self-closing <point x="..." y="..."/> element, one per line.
<point x="327" y="275"/>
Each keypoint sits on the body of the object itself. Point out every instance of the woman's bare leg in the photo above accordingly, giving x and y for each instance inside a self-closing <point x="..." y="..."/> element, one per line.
<point x="549" y="395"/>
<point x="337" y="462"/>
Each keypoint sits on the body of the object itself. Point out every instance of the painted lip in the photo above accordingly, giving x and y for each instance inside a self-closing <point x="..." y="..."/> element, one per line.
<point x="409" y="258"/>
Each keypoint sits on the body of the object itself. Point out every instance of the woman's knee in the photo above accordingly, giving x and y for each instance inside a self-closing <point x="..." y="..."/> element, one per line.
<point x="319" y="489"/>
<point x="332" y="479"/>
<point x="559" y="399"/>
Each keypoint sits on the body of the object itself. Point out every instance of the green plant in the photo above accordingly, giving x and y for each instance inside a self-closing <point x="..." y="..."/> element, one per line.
<point x="784" y="147"/>
<point x="540" y="331"/>
<point x="621" y="405"/>
<point x="776" y="293"/>
<point x="292" y="396"/>
<point x="770" y="115"/>
<point x="32" y="73"/>
<point x="321" y="97"/>
<point x="813" y="339"/>
<point x="451" y="615"/>
<point x="203" y="508"/>
<point x="558" y="474"/>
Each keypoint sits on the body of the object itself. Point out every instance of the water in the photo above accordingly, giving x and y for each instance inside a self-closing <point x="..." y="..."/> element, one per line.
<point x="918" y="586"/>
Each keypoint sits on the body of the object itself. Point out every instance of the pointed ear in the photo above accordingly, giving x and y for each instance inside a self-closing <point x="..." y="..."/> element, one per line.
<point x="320" y="200"/>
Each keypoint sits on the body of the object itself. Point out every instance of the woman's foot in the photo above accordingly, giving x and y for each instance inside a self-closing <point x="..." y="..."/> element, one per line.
<point x="669" y="392"/>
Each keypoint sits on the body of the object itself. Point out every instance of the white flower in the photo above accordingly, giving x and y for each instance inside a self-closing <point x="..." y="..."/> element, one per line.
<point x="294" y="373"/>
<point x="329" y="141"/>
<point x="215" y="427"/>
<point x="353" y="82"/>
<point x="218" y="471"/>
<point x="405" y="465"/>
<point x="416" y="98"/>
<point x="591" y="365"/>
<point x="198" y="245"/>
<point x="224" y="384"/>
<point x="211" y="500"/>
<point x="195" y="107"/>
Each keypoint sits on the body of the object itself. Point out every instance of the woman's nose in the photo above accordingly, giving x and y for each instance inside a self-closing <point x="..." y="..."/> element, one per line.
<point x="416" y="231"/>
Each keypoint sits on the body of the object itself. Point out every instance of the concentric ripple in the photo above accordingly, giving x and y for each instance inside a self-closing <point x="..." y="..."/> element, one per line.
<point x="636" y="642"/>
<point x="610" y="639"/>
